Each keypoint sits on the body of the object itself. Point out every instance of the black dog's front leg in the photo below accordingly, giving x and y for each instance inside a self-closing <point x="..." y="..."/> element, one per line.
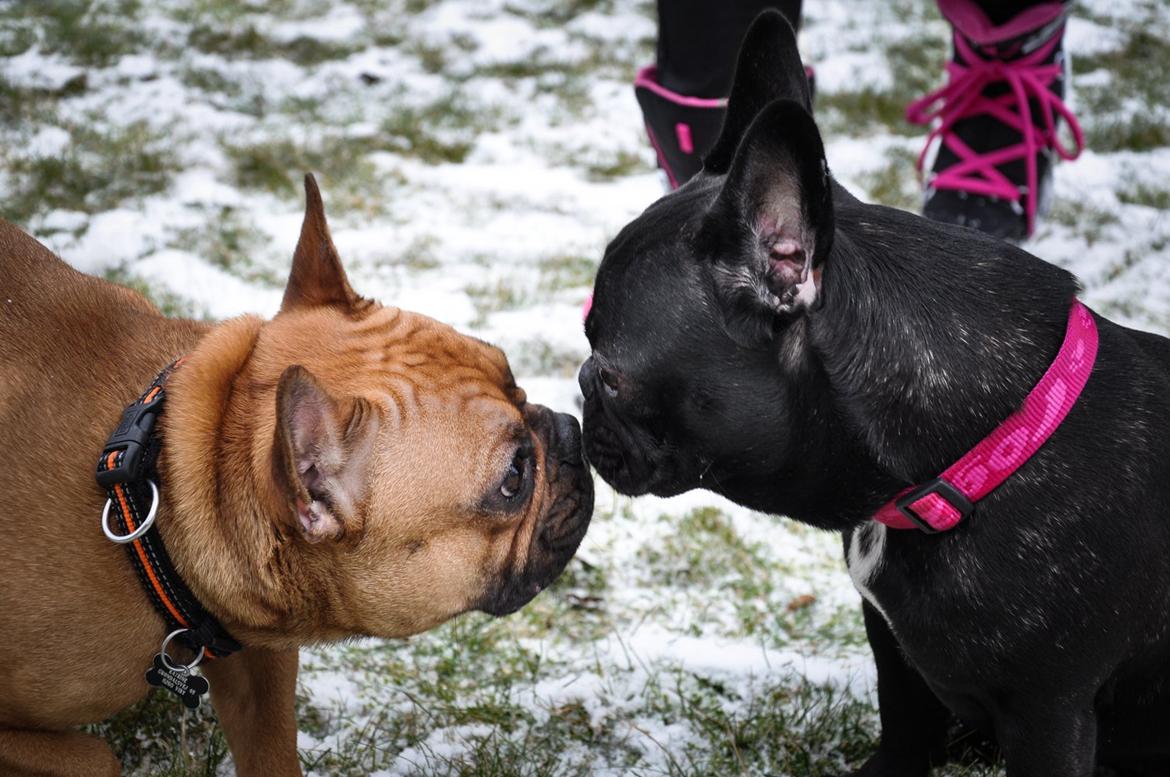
<point x="914" y="721"/>
<point x="1042" y="736"/>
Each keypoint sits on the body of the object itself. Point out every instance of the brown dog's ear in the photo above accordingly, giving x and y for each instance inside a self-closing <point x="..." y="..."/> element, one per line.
<point x="772" y="225"/>
<point x="317" y="277"/>
<point x="769" y="68"/>
<point x="322" y="454"/>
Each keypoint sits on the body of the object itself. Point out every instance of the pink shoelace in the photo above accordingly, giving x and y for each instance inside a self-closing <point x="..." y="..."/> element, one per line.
<point x="1029" y="78"/>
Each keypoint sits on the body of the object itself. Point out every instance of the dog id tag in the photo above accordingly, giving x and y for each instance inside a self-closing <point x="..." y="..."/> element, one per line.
<point x="187" y="686"/>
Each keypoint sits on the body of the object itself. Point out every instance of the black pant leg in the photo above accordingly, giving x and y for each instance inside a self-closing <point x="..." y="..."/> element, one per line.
<point x="1000" y="11"/>
<point x="698" y="41"/>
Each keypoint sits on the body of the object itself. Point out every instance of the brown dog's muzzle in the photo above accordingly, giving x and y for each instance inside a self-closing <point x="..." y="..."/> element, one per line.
<point x="560" y="530"/>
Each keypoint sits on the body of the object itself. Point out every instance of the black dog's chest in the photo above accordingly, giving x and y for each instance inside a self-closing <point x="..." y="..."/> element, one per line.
<point x="940" y="629"/>
<point x="943" y="605"/>
<point x="980" y="612"/>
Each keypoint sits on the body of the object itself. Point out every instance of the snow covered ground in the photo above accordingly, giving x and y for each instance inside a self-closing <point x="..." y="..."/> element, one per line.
<point x="475" y="156"/>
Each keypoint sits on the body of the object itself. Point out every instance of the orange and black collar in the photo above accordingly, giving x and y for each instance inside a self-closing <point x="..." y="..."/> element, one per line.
<point x="127" y="471"/>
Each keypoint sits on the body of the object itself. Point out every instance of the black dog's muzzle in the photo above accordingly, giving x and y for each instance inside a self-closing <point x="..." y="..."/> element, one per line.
<point x="611" y="443"/>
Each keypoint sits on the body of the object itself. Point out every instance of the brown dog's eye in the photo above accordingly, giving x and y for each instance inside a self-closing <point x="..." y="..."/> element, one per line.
<point x="514" y="479"/>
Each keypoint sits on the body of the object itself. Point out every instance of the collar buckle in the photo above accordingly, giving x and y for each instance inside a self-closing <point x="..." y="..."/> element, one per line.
<point x="134" y="438"/>
<point x="940" y="488"/>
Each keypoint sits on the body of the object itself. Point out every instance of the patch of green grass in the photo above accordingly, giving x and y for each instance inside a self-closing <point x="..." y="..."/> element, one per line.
<point x="538" y="357"/>
<point x="895" y="184"/>
<point x="1090" y="222"/>
<point x="431" y="57"/>
<point x="850" y="112"/>
<point x="460" y="675"/>
<point x="703" y="549"/>
<point x="520" y="68"/>
<point x="17" y="104"/>
<point x="159" y="737"/>
<point x="98" y="170"/>
<point x="622" y="163"/>
<point x="442" y="131"/>
<point x="1157" y="197"/>
<point x="567" y="271"/>
<point x="704" y="552"/>
<point x="228" y="11"/>
<point x="704" y="556"/>
<point x="794" y="727"/>
<point x="1130" y="259"/>
<point x="343" y="166"/>
<point x="439" y="132"/>
<point x="494" y="296"/>
<point x="601" y="61"/>
<point x="22" y="106"/>
<point x="555" y="274"/>
<point x="249" y="43"/>
<point x="229" y="240"/>
<point x="1130" y="66"/>
<point x="92" y="33"/>
<point x="557" y="14"/>
<point x="1127" y="112"/>
<point x="232" y="29"/>
<point x="17" y="35"/>
<point x="419" y="254"/>
<point x="535" y="753"/>
<point x="225" y="93"/>
<point x="1133" y="257"/>
<point x="396" y="9"/>
<point x="1139" y="132"/>
<point x="275" y="166"/>
<point x="916" y="68"/>
<point x="209" y="80"/>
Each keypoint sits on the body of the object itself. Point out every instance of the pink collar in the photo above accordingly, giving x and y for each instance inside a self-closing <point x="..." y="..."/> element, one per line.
<point x="945" y="501"/>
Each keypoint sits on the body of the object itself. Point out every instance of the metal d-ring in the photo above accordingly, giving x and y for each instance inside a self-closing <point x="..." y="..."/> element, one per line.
<point x="182" y="668"/>
<point x="145" y="527"/>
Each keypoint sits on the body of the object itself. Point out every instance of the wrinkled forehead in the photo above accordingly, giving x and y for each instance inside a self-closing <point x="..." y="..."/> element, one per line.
<point x="453" y="400"/>
<point x="448" y="355"/>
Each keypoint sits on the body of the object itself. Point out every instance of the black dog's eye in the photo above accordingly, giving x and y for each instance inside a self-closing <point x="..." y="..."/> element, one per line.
<point x="609" y="380"/>
<point x="514" y="478"/>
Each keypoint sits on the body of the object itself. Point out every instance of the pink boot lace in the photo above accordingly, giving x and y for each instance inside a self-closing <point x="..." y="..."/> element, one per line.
<point x="1029" y="78"/>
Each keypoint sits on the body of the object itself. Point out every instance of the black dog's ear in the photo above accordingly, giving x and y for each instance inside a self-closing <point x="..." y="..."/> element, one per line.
<point x="771" y="226"/>
<point x="768" y="69"/>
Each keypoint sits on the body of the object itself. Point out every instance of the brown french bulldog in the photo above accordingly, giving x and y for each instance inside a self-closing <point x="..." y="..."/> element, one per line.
<point x="343" y="469"/>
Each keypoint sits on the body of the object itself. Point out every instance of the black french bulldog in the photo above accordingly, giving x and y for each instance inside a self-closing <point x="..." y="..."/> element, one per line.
<point x="762" y="334"/>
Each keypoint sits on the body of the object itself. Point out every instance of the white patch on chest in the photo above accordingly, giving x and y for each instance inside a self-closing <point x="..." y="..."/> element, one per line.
<point x="864" y="565"/>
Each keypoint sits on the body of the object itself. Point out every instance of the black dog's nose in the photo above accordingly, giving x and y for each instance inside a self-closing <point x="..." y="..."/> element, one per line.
<point x="587" y="378"/>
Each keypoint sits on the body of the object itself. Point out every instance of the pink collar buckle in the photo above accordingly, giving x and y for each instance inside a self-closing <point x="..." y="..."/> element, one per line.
<point x="943" y="503"/>
<point x="938" y="488"/>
